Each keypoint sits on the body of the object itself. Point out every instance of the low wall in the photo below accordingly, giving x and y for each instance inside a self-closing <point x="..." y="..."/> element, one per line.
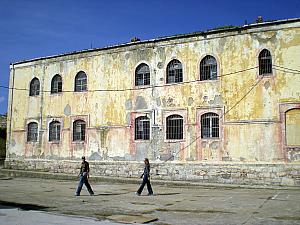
<point x="275" y="174"/>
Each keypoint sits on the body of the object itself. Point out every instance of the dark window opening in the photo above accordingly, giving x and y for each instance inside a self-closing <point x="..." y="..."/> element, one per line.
<point x="209" y="125"/>
<point x="79" y="130"/>
<point x="142" y="75"/>
<point x="34" y="87"/>
<point x="56" y="84"/>
<point x="265" y="62"/>
<point x="80" y="82"/>
<point x="142" y="128"/>
<point x="208" y="68"/>
<point x="32" y="132"/>
<point x="54" y="131"/>
<point x="174" y="72"/>
<point x="174" y="127"/>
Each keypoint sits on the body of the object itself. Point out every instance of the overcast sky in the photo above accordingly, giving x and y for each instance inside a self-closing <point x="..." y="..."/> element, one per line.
<point x="37" y="28"/>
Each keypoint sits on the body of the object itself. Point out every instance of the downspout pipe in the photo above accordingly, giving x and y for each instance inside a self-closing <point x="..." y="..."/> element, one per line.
<point x="10" y="108"/>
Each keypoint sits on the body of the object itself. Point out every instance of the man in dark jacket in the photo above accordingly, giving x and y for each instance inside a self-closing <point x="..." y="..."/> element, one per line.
<point x="146" y="179"/>
<point x="84" y="175"/>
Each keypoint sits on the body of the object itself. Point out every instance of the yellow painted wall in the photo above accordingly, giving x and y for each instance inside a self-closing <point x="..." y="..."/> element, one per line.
<point x="250" y="124"/>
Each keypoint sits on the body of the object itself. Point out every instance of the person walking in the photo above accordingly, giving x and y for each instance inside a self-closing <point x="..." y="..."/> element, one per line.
<point x="146" y="179"/>
<point x="84" y="176"/>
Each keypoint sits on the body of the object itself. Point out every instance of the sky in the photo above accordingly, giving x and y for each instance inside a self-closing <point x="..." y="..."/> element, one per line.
<point x="38" y="28"/>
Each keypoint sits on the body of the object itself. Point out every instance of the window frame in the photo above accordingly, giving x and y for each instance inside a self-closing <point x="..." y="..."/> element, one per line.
<point x="178" y="73"/>
<point x="78" y="136"/>
<point x="210" y="116"/>
<point x="57" y="132"/>
<point x="144" y="135"/>
<point x="34" y="89"/>
<point x="262" y="65"/>
<point x="170" y="135"/>
<point x="145" y="76"/>
<point x="31" y="135"/>
<point x="82" y="86"/>
<point x="202" y="64"/>
<point x="58" y="84"/>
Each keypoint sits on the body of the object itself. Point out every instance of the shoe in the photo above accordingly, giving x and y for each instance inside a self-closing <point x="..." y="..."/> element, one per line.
<point x="92" y="194"/>
<point x="138" y="194"/>
<point x="77" y="195"/>
<point x="150" y="194"/>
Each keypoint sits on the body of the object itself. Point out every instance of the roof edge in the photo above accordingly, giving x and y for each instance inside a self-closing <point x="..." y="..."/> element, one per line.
<point x="172" y="37"/>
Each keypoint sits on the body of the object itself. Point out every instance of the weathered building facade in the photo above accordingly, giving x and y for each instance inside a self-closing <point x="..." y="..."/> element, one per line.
<point x="216" y="106"/>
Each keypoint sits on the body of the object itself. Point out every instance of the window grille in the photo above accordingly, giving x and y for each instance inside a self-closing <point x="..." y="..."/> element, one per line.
<point x="142" y="128"/>
<point x="209" y="125"/>
<point x="54" y="131"/>
<point x="265" y="62"/>
<point x="142" y="75"/>
<point x="80" y="82"/>
<point x="34" y="87"/>
<point x="56" y="84"/>
<point x="208" y="68"/>
<point x="79" y="130"/>
<point x="174" y="72"/>
<point x="32" y="132"/>
<point x="174" y="127"/>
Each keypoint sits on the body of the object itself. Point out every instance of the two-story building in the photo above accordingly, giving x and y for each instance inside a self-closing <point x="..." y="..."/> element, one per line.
<point x="215" y="106"/>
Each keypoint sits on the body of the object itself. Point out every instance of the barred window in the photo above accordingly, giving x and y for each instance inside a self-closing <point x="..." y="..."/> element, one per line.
<point x="265" y="62"/>
<point x="78" y="130"/>
<point x="208" y="68"/>
<point x="142" y="128"/>
<point x="209" y="125"/>
<point x="34" y="87"/>
<point x="142" y="75"/>
<point x="174" y="72"/>
<point x="174" y="127"/>
<point x="32" y="132"/>
<point x="54" y="131"/>
<point x="80" y="82"/>
<point x="56" y="84"/>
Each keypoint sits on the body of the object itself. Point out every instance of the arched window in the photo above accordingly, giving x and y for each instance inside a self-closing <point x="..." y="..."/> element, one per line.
<point x="142" y="128"/>
<point x="78" y="130"/>
<point x="34" y="87"/>
<point x="174" y="72"/>
<point x="142" y="75"/>
<point x="32" y="132"/>
<point x="174" y="127"/>
<point x="54" y="131"/>
<point x="292" y="128"/>
<point x="80" y="82"/>
<point x="208" y="68"/>
<point x="265" y="62"/>
<point x="209" y="125"/>
<point x="56" y="84"/>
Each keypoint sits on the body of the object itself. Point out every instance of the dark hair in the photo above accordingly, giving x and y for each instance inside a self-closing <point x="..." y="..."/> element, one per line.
<point x="82" y="157"/>
<point x="146" y="160"/>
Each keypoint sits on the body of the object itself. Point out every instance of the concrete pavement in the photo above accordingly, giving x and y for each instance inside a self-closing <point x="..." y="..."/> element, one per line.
<point x="170" y="204"/>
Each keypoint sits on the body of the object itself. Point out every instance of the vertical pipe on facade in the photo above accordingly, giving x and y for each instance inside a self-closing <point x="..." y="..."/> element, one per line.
<point x="41" y="131"/>
<point x="12" y="86"/>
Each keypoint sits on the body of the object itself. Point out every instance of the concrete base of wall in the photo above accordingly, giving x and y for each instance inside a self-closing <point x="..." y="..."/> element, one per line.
<point x="262" y="174"/>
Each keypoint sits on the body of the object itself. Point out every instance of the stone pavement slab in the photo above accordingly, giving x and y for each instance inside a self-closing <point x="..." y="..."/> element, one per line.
<point x="170" y="205"/>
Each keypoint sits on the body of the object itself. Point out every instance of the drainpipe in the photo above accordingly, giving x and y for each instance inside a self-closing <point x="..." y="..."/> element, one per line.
<point x="12" y="86"/>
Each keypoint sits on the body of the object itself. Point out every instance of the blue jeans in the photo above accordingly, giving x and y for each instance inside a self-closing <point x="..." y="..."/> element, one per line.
<point x="84" y="180"/>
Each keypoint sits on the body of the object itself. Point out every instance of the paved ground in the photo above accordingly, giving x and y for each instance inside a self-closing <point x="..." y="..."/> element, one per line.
<point x="170" y="205"/>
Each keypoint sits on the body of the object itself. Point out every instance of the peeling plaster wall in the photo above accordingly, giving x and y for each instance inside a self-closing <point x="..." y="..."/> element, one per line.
<point x="250" y="131"/>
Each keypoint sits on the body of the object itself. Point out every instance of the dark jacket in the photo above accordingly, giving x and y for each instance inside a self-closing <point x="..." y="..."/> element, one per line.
<point x="146" y="173"/>
<point x="85" y="168"/>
